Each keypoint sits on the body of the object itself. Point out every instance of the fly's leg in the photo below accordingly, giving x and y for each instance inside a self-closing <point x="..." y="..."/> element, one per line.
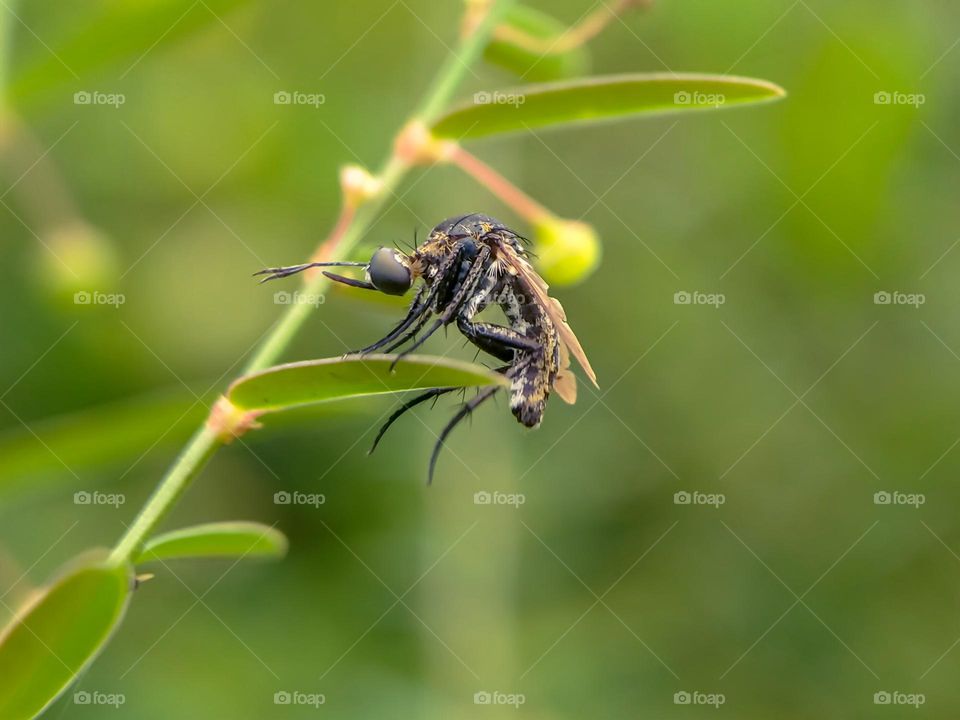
<point x="403" y="332"/>
<point x="469" y="284"/>
<point x="497" y="340"/>
<point x="411" y="333"/>
<point x="410" y="404"/>
<point x="419" y="309"/>
<point x="465" y="410"/>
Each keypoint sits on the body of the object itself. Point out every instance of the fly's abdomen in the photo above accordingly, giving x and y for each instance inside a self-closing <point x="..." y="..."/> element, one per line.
<point x="529" y="389"/>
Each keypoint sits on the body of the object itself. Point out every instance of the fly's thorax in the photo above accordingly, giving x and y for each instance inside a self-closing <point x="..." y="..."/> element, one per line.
<point x="475" y="224"/>
<point x="428" y="260"/>
<point x="487" y="293"/>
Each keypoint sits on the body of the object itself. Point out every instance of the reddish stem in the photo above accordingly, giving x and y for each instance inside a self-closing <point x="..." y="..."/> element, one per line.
<point x="524" y="205"/>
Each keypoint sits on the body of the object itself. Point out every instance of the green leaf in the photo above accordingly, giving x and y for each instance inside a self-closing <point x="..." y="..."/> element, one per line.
<point x="508" y="50"/>
<point x="223" y="539"/>
<point x="55" y="637"/>
<point x="317" y="381"/>
<point x="598" y="99"/>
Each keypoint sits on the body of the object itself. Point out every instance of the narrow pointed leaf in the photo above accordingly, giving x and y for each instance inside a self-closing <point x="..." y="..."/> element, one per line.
<point x="318" y="381"/>
<point x="598" y="99"/>
<point x="52" y="639"/>
<point x="224" y="539"/>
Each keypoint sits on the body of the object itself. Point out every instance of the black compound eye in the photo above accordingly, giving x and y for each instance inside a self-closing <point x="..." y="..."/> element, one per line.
<point x="388" y="273"/>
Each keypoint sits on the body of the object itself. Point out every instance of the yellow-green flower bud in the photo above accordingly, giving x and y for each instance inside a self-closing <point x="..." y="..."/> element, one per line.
<point x="568" y="250"/>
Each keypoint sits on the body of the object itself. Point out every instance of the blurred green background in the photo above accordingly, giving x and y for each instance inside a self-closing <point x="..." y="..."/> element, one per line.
<point x="797" y="399"/>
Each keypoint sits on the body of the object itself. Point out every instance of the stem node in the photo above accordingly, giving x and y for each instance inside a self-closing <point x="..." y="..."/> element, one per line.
<point x="416" y="145"/>
<point x="229" y="422"/>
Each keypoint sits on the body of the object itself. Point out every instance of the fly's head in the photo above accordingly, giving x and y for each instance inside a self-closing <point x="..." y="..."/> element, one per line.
<point x="390" y="271"/>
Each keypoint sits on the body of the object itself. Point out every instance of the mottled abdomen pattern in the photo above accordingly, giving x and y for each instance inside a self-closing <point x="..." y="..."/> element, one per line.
<point x="535" y="370"/>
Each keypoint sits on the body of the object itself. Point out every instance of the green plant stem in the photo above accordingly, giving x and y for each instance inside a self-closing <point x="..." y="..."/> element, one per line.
<point x="470" y="50"/>
<point x="187" y="466"/>
<point x="206" y="441"/>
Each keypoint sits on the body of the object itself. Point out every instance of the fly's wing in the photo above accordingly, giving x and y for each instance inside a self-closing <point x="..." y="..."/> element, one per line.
<point x="565" y="384"/>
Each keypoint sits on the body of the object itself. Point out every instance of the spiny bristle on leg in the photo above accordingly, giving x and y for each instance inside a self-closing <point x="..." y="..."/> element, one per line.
<point x="409" y="405"/>
<point x="463" y="412"/>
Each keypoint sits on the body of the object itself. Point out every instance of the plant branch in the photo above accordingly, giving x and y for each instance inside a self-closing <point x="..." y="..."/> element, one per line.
<point x="206" y="441"/>
<point x="573" y="37"/>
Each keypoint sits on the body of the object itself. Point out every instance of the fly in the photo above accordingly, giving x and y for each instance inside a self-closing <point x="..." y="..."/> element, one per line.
<point x="467" y="264"/>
